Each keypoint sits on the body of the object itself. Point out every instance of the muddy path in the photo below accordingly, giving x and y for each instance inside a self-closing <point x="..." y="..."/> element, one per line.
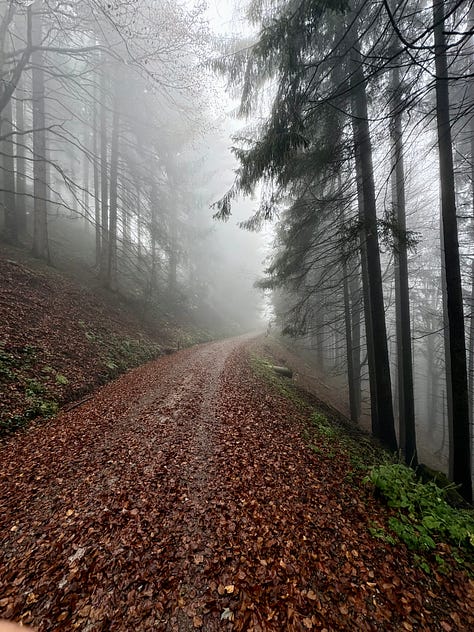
<point x="182" y="497"/>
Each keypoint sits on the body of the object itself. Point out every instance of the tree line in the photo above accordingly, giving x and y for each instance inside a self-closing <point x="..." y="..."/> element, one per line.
<point x="103" y="105"/>
<point x="370" y="109"/>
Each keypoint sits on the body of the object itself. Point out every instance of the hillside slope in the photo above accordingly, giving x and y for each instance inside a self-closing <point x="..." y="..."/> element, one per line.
<point x="60" y="340"/>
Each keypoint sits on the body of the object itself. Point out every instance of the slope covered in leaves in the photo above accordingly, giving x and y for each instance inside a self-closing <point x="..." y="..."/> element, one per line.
<point x="184" y="496"/>
<point x="59" y="340"/>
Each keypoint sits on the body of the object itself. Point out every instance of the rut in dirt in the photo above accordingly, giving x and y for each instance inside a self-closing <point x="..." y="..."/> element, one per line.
<point x="183" y="497"/>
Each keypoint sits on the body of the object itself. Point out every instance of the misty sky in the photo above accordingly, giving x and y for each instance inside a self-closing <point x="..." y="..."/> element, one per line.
<point x="247" y="250"/>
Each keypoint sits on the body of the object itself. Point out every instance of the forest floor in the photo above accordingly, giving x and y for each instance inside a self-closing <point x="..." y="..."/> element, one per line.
<point x="192" y="493"/>
<point x="59" y="340"/>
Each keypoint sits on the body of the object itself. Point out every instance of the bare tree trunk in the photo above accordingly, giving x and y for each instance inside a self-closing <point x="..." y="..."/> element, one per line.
<point x="8" y="163"/>
<point x="447" y="354"/>
<point x="97" y="191"/>
<point x="40" y="175"/>
<point x="355" y="320"/>
<point x="461" y="459"/>
<point x="363" y="152"/>
<point x="471" y="302"/>
<point x="153" y="235"/>
<point x="114" y="153"/>
<point x="318" y="326"/>
<point x="431" y="372"/>
<point x="407" y="437"/>
<point x="104" y="220"/>
<point x="349" y="346"/>
<point x="20" y="162"/>
<point x="173" y="255"/>
<point x="74" y="188"/>
<point x="85" y="178"/>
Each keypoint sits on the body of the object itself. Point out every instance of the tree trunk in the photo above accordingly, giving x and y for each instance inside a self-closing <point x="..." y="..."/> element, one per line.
<point x="369" y="334"/>
<point x="8" y="164"/>
<point x="461" y="461"/>
<point x="20" y="162"/>
<point x="173" y="255"/>
<point x="97" y="191"/>
<point x="104" y="181"/>
<point x="386" y="427"/>
<point x="85" y="178"/>
<point x="318" y="333"/>
<point x="349" y="346"/>
<point x="112" y="262"/>
<point x="431" y="372"/>
<point x="40" y="175"/>
<point x="355" y="293"/>
<point x="447" y="355"/>
<point x="407" y="438"/>
<point x="471" y="304"/>
<point x="153" y="236"/>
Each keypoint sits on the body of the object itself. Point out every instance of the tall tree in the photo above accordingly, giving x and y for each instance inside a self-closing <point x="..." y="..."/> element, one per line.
<point x="461" y="458"/>
<point x="406" y="405"/>
<point x="8" y="165"/>
<point x="40" y="214"/>
<point x="363" y="156"/>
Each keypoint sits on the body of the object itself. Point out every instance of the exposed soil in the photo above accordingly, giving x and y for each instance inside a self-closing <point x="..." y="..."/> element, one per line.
<point x="183" y="496"/>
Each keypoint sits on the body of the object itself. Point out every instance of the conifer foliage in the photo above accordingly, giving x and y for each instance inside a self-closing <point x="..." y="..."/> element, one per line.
<point x="347" y="87"/>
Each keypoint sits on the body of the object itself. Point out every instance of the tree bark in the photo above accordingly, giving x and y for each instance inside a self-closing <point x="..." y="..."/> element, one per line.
<point x="355" y="297"/>
<point x="114" y="154"/>
<point x="8" y="164"/>
<point x="407" y="436"/>
<point x="20" y="186"/>
<point x="369" y="334"/>
<point x="173" y="255"/>
<point x="153" y="237"/>
<point x="40" y="175"/>
<point x="362" y="143"/>
<point x="349" y="346"/>
<point x="85" y="178"/>
<point x="104" y="181"/>
<point x="471" y="302"/>
<point x="97" y="190"/>
<point x="461" y="461"/>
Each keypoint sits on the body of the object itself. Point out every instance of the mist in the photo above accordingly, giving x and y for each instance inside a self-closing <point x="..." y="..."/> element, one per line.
<point x="236" y="315"/>
<point x="166" y="152"/>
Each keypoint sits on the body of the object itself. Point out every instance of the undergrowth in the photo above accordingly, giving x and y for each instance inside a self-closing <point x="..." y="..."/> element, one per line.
<point x="423" y="517"/>
<point x="41" y="388"/>
<point x="15" y="372"/>
<point x="119" y="353"/>
<point x="424" y="521"/>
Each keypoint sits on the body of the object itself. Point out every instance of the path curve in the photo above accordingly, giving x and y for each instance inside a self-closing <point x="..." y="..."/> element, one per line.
<point x="182" y="496"/>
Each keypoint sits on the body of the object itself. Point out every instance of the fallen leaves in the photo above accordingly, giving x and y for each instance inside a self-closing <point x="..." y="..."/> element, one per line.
<point x="182" y="496"/>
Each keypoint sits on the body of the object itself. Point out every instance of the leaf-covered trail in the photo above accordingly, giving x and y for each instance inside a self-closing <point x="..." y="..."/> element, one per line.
<point x="183" y="497"/>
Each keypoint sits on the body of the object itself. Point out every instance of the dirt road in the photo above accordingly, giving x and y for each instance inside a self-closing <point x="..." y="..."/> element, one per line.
<point x="182" y="497"/>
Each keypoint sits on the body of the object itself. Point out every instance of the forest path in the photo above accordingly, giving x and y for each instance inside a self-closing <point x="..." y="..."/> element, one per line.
<point x="183" y="496"/>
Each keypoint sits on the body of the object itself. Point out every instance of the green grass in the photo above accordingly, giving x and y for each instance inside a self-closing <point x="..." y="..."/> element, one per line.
<point x="437" y="533"/>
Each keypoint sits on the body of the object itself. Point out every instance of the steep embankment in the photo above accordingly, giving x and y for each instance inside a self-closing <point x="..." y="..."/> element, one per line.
<point x="60" y="340"/>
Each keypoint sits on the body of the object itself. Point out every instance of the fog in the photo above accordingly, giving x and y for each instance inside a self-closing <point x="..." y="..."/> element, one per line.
<point x="116" y="143"/>
<point x="118" y="123"/>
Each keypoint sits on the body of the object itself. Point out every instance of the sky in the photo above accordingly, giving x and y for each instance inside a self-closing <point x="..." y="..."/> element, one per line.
<point x="248" y="250"/>
<point x="220" y="13"/>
